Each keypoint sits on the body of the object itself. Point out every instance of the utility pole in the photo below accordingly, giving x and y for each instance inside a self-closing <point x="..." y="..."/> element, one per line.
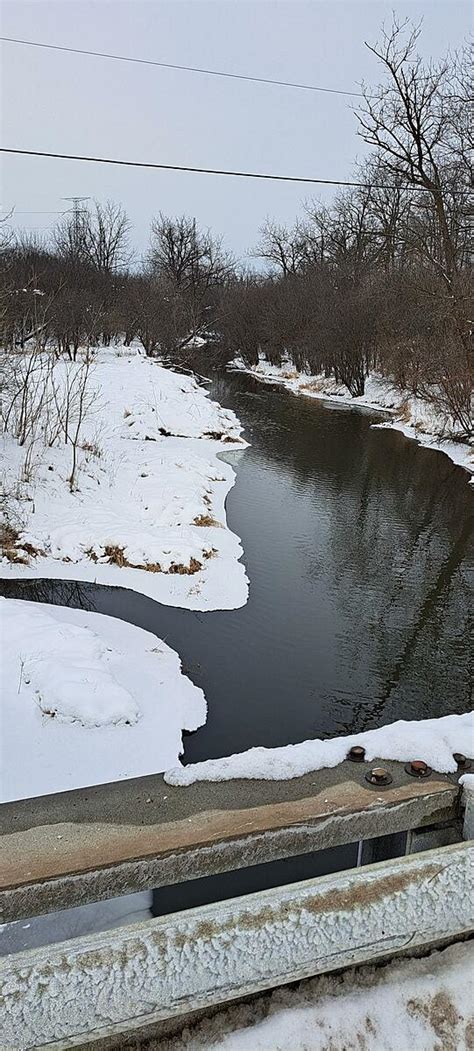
<point x="77" y="211"/>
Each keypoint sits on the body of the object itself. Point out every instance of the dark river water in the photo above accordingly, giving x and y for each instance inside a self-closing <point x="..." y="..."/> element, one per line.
<point x="359" y="549"/>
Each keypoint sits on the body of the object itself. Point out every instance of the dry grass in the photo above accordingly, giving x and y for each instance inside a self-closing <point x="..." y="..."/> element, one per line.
<point x="92" y="448"/>
<point x="219" y="436"/>
<point x="194" y="567"/>
<point x="116" y="556"/>
<point x="206" y="520"/>
<point x="313" y="385"/>
<point x="13" y="555"/>
<point x="30" y="549"/>
<point x="13" y="550"/>
<point x="403" y="412"/>
<point x="216" y="435"/>
<point x="9" y="536"/>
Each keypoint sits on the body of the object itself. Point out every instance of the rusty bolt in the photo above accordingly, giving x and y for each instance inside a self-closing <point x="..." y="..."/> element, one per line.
<point x="379" y="776"/>
<point x="418" y="768"/>
<point x="462" y="761"/>
<point x="356" y="754"/>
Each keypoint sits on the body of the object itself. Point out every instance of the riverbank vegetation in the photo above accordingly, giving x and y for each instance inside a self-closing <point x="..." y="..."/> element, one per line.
<point x="381" y="280"/>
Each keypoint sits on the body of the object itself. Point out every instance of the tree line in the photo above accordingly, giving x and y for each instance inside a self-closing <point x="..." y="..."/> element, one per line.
<point x="378" y="280"/>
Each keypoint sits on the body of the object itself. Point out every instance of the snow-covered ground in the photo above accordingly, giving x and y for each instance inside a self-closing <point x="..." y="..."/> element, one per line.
<point x="86" y="699"/>
<point x="433" y="740"/>
<point x="414" y="417"/>
<point x="420" y="1003"/>
<point x="148" y="507"/>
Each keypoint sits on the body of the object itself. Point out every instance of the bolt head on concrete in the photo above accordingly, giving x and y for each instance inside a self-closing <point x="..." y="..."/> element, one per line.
<point x="418" y="768"/>
<point x="462" y="761"/>
<point x="379" y="776"/>
<point x="356" y="754"/>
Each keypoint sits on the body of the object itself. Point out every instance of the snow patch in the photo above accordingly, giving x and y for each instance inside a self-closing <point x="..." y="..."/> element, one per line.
<point x="67" y="669"/>
<point x="87" y="699"/>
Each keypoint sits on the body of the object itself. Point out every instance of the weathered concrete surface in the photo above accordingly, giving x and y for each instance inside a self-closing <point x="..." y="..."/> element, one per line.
<point x="72" y="993"/>
<point x="75" y="847"/>
<point x="468" y="802"/>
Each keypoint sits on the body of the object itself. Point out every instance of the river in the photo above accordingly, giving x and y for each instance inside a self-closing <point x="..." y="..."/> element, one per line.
<point x="359" y="549"/>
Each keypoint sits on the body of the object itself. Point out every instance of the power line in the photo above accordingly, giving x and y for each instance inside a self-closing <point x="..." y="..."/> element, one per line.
<point x="37" y="212"/>
<point x="203" y="171"/>
<point x="189" y="69"/>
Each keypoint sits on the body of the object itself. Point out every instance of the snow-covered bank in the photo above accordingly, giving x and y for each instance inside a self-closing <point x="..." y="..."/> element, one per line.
<point x="147" y="510"/>
<point x="86" y="699"/>
<point x="414" y="417"/>
<point x="433" y="740"/>
<point x="420" y="1003"/>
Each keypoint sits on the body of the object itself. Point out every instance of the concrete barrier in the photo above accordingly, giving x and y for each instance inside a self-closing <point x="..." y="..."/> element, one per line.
<point x="108" y="983"/>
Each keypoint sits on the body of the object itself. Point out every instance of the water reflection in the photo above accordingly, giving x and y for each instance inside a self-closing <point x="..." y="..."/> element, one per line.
<point x="359" y="549"/>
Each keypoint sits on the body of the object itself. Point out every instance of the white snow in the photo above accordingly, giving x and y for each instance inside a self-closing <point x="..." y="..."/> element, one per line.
<point x="420" y="1003"/>
<point x="412" y="416"/>
<point x="86" y="699"/>
<point x="148" y="510"/>
<point x="433" y="740"/>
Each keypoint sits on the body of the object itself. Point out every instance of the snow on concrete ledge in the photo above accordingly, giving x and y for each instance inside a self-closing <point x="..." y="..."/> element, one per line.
<point x="433" y="740"/>
<point x="413" y="417"/>
<point x="86" y="699"/>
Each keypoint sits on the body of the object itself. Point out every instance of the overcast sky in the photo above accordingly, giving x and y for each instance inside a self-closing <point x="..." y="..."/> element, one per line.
<point x="78" y="104"/>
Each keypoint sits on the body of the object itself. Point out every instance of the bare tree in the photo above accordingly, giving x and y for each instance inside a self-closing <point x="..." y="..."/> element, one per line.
<point x="243" y="317"/>
<point x="283" y="248"/>
<point x="97" y="236"/>
<point x="191" y="260"/>
<point x="412" y="120"/>
<point x="161" y="319"/>
<point x="80" y="400"/>
<point x="106" y="236"/>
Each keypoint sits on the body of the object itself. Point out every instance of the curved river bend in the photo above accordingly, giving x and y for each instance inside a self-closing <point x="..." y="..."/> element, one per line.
<point x="359" y="549"/>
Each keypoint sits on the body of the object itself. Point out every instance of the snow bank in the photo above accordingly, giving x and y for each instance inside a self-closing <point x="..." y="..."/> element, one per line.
<point x="433" y="740"/>
<point x="414" y="417"/>
<point x="421" y="1003"/>
<point x="148" y="509"/>
<point x="86" y="699"/>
